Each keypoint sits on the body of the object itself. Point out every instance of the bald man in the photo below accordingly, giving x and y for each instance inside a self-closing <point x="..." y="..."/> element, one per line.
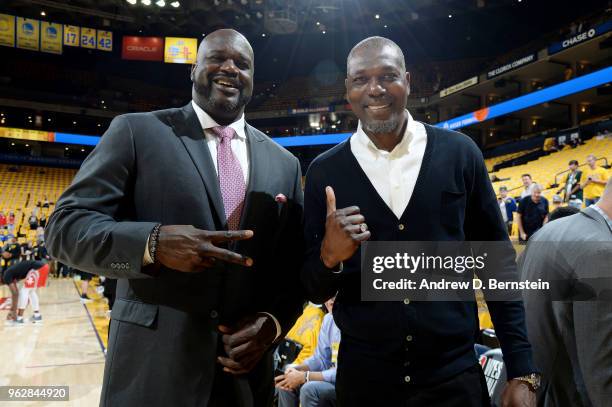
<point x="397" y="179"/>
<point x="198" y="216"/>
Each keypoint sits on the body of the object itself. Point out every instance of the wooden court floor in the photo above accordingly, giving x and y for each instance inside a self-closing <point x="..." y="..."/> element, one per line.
<point x="66" y="349"/>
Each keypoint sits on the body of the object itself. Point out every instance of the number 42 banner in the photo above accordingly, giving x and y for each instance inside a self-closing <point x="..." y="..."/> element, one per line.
<point x="105" y="40"/>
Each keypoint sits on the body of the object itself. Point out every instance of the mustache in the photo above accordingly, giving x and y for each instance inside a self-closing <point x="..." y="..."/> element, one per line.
<point x="229" y="79"/>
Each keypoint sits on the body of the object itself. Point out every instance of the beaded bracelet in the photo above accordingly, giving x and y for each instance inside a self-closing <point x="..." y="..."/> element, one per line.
<point x="153" y="237"/>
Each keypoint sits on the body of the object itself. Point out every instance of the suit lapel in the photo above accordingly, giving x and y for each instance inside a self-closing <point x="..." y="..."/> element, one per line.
<point x="258" y="168"/>
<point x="189" y="130"/>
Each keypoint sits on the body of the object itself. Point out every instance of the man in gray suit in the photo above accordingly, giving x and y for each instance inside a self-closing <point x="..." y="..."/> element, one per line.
<point x="570" y="326"/>
<point x="199" y="216"/>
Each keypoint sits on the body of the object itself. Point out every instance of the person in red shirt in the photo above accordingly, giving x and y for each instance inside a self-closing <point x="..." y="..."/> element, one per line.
<point x="2" y="220"/>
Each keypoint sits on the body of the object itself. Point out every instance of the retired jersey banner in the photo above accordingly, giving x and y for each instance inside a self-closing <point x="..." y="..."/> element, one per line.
<point x="143" y="48"/>
<point x="28" y="34"/>
<point x="88" y="38"/>
<point x="181" y="50"/>
<point x="105" y="40"/>
<point x="51" y="37"/>
<point x="72" y="35"/>
<point x="7" y="30"/>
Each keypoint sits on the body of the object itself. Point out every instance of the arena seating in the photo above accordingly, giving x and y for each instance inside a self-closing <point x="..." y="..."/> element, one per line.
<point x="543" y="169"/>
<point x="24" y="186"/>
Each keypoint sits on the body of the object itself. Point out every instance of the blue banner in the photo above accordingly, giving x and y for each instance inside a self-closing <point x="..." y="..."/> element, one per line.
<point x="560" y="90"/>
<point x="580" y="38"/>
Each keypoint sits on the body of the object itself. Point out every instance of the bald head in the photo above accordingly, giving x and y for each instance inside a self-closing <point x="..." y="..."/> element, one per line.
<point x="227" y="36"/>
<point x="374" y="45"/>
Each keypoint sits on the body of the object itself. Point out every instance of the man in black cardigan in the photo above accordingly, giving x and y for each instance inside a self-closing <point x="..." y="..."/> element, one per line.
<point x="409" y="182"/>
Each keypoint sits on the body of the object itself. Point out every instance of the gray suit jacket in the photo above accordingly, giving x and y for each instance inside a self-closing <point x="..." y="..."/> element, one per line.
<point x="570" y="328"/>
<point x="156" y="168"/>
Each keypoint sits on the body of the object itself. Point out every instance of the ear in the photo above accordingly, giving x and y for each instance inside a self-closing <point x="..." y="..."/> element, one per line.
<point x="408" y="81"/>
<point x="346" y="89"/>
<point x="192" y="74"/>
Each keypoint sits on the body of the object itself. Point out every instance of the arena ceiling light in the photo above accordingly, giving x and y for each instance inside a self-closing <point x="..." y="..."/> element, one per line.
<point x="132" y="2"/>
<point x="146" y="2"/>
<point x="175" y="4"/>
<point x="161" y="3"/>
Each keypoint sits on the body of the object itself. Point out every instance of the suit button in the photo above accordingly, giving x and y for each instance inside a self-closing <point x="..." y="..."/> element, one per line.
<point x="406" y="301"/>
<point x="401" y="226"/>
<point x="214" y="314"/>
<point x="409" y="338"/>
<point x="407" y="379"/>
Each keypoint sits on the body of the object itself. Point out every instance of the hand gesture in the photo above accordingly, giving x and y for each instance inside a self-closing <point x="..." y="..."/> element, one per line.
<point x="345" y="229"/>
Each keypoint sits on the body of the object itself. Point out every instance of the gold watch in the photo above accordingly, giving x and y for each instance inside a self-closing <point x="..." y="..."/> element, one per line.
<point x="532" y="380"/>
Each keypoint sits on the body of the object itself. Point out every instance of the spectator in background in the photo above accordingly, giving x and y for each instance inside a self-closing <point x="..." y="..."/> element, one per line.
<point x="594" y="179"/>
<point x="572" y="190"/>
<point x="562" y="212"/>
<point x="312" y="383"/>
<point x="570" y="334"/>
<point x="557" y="201"/>
<point x="507" y="206"/>
<point x="43" y="221"/>
<point x="532" y="213"/>
<point x="3" y="220"/>
<point x="306" y="330"/>
<point x="46" y="202"/>
<point x="528" y="184"/>
<point x="11" y="252"/>
<point x="11" y="223"/>
<point x="33" y="221"/>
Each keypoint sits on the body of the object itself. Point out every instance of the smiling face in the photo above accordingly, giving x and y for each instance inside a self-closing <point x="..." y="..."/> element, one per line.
<point x="223" y="75"/>
<point x="377" y="87"/>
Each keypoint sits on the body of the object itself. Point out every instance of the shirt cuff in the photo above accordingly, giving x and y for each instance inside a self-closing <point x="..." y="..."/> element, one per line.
<point x="146" y="258"/>
<point x="279" y="330"/>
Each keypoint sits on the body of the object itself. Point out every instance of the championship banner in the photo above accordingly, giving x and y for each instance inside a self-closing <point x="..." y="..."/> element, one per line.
<point x="105" y="40"/>
<point x="180" y="50"/>
<point x="143" y="48"/>
<point x="28" y="33"/>
<point x="460" y="86"/>
<point x="7" y="30"/>
<point x="26" y="134"/>
<point x="88" y="38"/>
<point x="72" y="35"/>
<point x="512" y="65"/>
<point x="51" y="37"/>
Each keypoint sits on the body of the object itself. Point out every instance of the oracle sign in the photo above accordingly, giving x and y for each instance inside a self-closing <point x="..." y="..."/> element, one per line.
<point x="143" y="48"/>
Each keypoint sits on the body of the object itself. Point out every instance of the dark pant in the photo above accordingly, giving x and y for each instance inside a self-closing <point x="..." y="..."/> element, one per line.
<point x="466" y="389"/>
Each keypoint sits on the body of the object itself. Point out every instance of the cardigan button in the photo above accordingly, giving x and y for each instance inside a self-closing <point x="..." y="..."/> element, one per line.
<point x="406" y="301"/>
<point x="401" y="226"/>
<point x="407" y="379"/>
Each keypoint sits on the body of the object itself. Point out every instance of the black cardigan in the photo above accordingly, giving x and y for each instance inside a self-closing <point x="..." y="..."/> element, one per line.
<point x="453" y="200"/>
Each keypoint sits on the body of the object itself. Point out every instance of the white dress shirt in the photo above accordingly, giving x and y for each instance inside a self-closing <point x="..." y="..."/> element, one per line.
<point x="393" y="174"/>
<point x="239" y="143"/>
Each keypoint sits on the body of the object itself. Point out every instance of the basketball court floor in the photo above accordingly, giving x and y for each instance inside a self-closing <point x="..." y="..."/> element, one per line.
<point x="67" y="349"/>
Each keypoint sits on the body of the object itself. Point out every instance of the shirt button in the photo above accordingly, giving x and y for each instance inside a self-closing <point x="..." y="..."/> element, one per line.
<point x="406" y="301"/>
<point x="407" y="379"/>
<point x="401" y="226"/>
<point x="214" y="314"/>
<point x="409" y="338"/>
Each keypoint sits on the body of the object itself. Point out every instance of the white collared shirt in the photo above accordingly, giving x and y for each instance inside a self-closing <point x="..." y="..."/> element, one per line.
<point x="239" y="143"/>
<point x="393" y="174"/>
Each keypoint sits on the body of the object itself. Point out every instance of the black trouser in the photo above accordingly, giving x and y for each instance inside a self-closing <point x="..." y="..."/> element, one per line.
<point x="466" y="389"/>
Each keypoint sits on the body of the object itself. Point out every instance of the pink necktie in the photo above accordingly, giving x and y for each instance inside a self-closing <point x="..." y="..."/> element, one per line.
<point x="231" y="179"/>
